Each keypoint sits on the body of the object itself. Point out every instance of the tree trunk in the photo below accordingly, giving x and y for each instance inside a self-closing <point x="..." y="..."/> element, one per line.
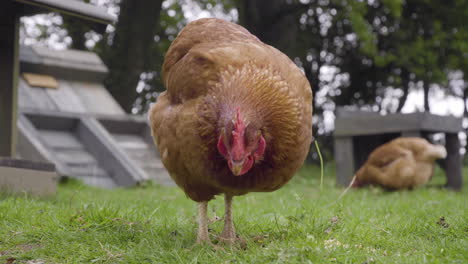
<point x="403" y="98"/>
<point x="272" y="21"/>
<point x="131" y="50"/>
<point x="405" y="80"/>
<point x="426" y="96"/>
<point x="465" y="98"/>
<point x="465" y="114"/>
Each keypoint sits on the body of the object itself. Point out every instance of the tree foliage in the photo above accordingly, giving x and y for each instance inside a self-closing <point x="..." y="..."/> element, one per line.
<point x="374" y="44"/>
<point x="364" y="46"/>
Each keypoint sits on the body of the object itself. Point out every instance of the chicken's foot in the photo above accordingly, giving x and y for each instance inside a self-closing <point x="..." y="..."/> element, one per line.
<point x="203" y="223"/>
<point x="228" y="235"/>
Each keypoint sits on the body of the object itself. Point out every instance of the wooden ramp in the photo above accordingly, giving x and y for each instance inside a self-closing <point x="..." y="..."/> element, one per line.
<point x="134" y="138"/>
<point x="78" y="126"/>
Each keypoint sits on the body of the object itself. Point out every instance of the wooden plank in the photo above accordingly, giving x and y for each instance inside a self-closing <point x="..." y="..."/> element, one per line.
<point x="142" y="157"/>
<point x="24" y="100"/>
<point x="414" y="133"/>
<point x="344" y="112"/>
<point x="133" y="146"/>
<point x="30" y="146"/>
<point x="96" y="99"/>
<point x="119" y="126"/>
<point x="41" y="99"/>
<point x="436" y="123"/>
<point x="344" y="157"/>
<point x="50" y="122"/>
<point x="116" y="161"/>
<point x="9" y="68"/>
<point x="154" y="164"/>
<point x="76" y="156"/>
<point x="88" y="171"/>
<point x="62" y="72"/>
<point x="78" y="9"/>
<point x="60" y="139"/>
<point x="100" y="143"/>
<point x="395" y="123"/>
<point x="142" y="154"/>
<point x="27" y="53"/>
<point x="151" y="167"/>
<point x="36" y="182"/>
<point x="138" y="150"/>
<point x="70" y="58"/>
<point x="71" y="152"/>
<point x="453" y="162"/>
<point x="66" y="99"/>
<point x="40" y="80"/>
<point x="130" y="138"/>
<point x="65" y="64"/>
<point x="147" y="137"/>
<point x="130" y="142"/>
<point x="372" y="125"/>
<point x="26" y="164"/>
<point x="135" y="119"/>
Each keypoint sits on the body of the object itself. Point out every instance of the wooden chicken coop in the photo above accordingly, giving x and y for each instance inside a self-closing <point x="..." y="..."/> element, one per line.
<point x="67" y="117"/>
<point x="57" y="117"/>
<point x="16" y="174"/>
<point x="358" y="133"/>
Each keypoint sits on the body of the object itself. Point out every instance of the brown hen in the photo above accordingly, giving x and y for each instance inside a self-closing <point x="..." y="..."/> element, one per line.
<point x="236" y="116"/>
<point x="402" y="163"/>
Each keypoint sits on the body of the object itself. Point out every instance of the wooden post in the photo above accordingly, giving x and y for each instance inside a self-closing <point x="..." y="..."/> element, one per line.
<point x="9" y="67"/>
<point x="453" y="161"/>
<point x="344" y="157"/>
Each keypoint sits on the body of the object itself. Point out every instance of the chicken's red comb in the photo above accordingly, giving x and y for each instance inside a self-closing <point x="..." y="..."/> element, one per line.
<point x="239" y="125"/>
<point x="238" y="145"/>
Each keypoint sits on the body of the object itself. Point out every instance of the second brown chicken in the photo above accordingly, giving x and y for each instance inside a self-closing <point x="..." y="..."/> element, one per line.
<point x="402" y="163"/>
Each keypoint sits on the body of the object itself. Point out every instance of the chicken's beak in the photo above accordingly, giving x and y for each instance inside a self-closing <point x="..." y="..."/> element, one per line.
<point x="236" y="167"/>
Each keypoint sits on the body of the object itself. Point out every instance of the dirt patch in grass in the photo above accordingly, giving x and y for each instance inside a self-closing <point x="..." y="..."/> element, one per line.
<point x="442" y="222"/>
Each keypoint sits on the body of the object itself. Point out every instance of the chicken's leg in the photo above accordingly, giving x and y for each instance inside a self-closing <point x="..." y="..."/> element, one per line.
<point x="203" y="223"/>
<point x="229" y="234"/>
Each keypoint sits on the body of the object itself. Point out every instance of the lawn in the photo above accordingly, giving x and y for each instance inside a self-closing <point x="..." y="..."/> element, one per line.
<point x="301" y="223"/>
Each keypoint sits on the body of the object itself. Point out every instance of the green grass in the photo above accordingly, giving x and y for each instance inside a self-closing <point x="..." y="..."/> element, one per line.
<point x="297" y="224"/>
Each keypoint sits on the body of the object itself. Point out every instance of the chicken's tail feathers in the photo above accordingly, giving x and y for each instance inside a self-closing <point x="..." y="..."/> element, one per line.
<point x="438" y="151"/>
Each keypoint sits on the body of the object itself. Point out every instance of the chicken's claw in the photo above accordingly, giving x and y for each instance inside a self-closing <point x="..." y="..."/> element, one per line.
<point x="231" y="241"/>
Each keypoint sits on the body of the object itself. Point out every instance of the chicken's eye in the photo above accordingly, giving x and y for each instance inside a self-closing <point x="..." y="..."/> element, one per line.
<point x="251" y="135"/>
